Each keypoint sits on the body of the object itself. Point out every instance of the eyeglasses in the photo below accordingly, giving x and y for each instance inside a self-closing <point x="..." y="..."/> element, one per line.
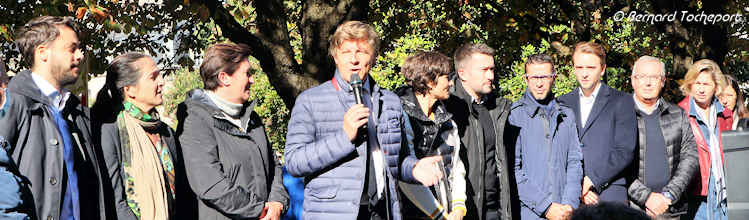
<point x="540" y="78"/>
<point x="647" y="77"/>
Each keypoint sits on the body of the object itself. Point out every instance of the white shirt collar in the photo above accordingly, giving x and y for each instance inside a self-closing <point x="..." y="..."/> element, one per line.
<point x="58" y="101"/>
<point x="592" y="95"/>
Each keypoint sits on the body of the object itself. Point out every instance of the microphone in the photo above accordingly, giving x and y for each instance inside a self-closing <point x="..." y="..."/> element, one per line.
<point x="356" y="85"/>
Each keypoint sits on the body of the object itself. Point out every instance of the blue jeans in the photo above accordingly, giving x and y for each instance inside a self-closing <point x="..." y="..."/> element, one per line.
<point x="711" y="209"/>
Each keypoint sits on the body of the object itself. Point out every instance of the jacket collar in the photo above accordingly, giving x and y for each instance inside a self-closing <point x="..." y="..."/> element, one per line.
<point x="719" y="109"/>
<point x="489" y="100"/>
<point x="413" y="109"/>
<point x="340" y="83"/>
<point x="198" y="97"/>
<point x="23" y="84"/>
<point x="531" y="109"/>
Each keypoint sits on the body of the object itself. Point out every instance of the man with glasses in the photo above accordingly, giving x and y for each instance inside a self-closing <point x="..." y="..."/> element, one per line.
<point x="548" y="158"/>
<point x="667" y="155"/>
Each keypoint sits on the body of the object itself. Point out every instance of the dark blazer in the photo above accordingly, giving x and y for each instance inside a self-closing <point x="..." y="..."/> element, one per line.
<point x="608" y="140"/>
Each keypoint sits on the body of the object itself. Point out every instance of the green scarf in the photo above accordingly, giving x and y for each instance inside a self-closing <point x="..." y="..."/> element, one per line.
<point x="136" y="129"/>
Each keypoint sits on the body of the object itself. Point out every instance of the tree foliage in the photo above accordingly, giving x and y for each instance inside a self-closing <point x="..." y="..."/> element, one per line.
<point x="289" y="38"/>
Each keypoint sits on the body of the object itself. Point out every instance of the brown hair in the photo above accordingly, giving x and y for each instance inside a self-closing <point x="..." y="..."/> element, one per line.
<point x="467" y="50"/>
<point x="591" y="48"/>
<point x="221" y="57"/>
<point x="39" y="31"/>
<point x="354" y="30"/>
<point x="706" y="66"/>
<point x="424" y="68"/>
<point x="740" y="107"/>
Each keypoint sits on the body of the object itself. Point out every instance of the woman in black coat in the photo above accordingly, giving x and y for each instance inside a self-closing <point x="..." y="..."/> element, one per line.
<point x="146" y="176"/>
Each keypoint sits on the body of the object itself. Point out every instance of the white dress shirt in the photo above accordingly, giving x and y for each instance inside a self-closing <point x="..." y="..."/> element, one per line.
<point x="586" y="104"/>
<point x="58" y="100"/>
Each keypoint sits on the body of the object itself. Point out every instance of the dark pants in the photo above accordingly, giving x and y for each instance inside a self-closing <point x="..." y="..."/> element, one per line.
<point x="492" y="214"/>
<point x="377" y="212"/>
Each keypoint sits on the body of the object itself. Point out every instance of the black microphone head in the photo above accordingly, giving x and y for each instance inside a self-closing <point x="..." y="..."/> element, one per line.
<point x="355" y="80"/>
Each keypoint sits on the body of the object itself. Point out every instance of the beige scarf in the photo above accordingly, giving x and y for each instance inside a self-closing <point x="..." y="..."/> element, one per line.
<point x="147" y="173"/>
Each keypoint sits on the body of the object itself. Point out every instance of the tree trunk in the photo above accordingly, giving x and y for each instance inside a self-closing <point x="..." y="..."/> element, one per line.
<point x="271" y="44"/>
<point x="319" y="21"/>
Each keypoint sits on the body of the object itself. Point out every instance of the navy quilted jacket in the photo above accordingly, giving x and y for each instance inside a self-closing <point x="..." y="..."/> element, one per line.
<point x="333" y="168"/>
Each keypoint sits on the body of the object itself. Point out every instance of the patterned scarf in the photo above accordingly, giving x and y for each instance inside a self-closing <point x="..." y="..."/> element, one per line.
<point x="147" y="163"/>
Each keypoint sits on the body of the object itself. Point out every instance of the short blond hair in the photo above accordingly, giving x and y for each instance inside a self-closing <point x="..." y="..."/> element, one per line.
<point x="591" y="48"/>
<point x="354" y="30"/>
<point x="706" y="66"/>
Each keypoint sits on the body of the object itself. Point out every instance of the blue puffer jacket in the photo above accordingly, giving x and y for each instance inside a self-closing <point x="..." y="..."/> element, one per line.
<point x="333" y="168"/>
<point x="14" y="193"/>
<point x="548" y="158"/>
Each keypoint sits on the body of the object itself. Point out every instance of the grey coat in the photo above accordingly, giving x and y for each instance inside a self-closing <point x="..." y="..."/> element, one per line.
<point x="36" y="147"/>
<point x="233" y="171"/>
<point x="681" y="150"/>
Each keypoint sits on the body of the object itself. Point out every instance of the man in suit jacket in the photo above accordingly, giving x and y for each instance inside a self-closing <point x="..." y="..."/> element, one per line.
<point x="606" y="126"/>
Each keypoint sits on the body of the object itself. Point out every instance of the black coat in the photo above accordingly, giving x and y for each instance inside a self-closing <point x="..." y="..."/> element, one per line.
<point x="232" y="170"/>
<point x="107" y="135"/>
<point x="36" y="147"/>
<point x="471" y="134"/>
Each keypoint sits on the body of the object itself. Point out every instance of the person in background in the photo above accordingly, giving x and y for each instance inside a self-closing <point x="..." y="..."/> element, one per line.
<point x="230" y="164"/>
<point x="733" y="99"/>
<point x="431" y="131"/>
<point x="146" y="176"/>
<point x="667" y="154"/>
<point x="47" y="127"/>
<point x="548" y="159"/>
<point x="708" y="119"/>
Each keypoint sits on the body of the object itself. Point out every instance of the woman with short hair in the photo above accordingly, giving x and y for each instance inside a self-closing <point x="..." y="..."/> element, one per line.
<point x="430" y="130"/>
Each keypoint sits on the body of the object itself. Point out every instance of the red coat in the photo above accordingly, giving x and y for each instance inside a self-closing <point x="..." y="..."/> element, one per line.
<point x="725" y="120"/>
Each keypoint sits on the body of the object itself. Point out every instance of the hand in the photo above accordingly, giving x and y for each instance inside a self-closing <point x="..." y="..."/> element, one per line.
<point x="657" y="204"/>
<point x="426" y="170"/>
<point x="456" y="215"/>
<point x="587" y="185"/>
<point x="590" y="199"/>
<point x="2" y="97"/>
<point x="355" y="117"/>
<point x="272" y="211"/>
<point x="558" y="211"/>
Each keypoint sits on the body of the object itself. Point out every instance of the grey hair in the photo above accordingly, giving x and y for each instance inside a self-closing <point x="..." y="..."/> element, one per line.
<point x="650" y="59"/>
<point x="541" y="59"/>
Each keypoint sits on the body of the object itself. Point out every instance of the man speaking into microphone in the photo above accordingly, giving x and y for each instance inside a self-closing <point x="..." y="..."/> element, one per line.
<point x="344" y="138"/>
